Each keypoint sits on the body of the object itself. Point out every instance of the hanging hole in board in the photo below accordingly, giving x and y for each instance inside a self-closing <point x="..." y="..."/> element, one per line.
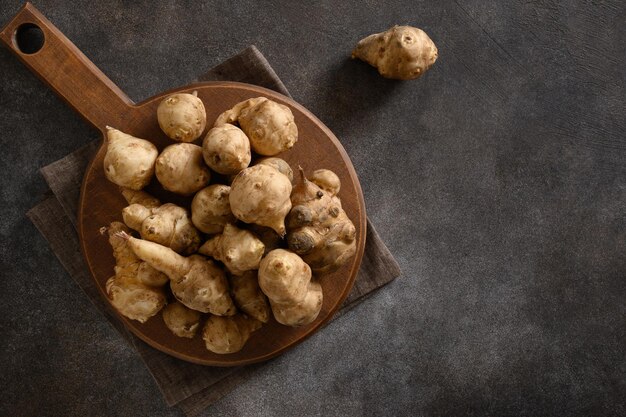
<point x="29" y="38"/>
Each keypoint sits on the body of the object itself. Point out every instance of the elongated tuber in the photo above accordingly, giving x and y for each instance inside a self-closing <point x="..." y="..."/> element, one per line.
<point x="238" y="249"/>
<point x="195" y="281"/>
<point x="168" y="225"/>
<point x="249" y="297"/>
<point x="279" y="164"/>
<point x="210" y="209"/>
<point x="180" y="169"/>
<point x="129" y="161"/>
<point x="129" y="294"/>
<point x="226" y="149"/>
<point x="182" y="117"/>
<point x="270" y="126"/>
<point x="319" y="229"/>
<point x="260" y="194"/>
<point x="402" y="52"/>
<point x="182" y="321"/>
<point x="228" y="334"/>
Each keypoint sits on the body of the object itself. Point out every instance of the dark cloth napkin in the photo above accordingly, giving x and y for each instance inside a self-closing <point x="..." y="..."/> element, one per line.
<point x="191" y="387"/>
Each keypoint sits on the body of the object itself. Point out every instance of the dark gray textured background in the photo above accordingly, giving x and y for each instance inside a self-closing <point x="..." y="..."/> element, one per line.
<point x="498" y="180"/>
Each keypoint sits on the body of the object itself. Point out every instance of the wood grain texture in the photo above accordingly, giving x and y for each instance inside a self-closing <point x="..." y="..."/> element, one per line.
<point x="71" y="75"/>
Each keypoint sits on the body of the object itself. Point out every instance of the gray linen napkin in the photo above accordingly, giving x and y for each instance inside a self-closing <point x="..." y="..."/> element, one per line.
<point x="189" y="386"/>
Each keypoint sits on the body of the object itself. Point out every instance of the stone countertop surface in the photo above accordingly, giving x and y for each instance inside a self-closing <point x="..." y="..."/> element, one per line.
<point x="498" y="180"/>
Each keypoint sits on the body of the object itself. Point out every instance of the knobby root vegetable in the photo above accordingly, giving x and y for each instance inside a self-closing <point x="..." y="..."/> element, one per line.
<point x="210" y="209"/>
<point x="182" y="321"/>
<point x="270" y="126"/>
<point x="228" y="334"/>
<point x="249" y="297"/>
<point x="327" y="180"/>
<point x="195" y="281"/>
<point x="239" y="250"/>
<point x="284" y="277"/>
<point x="129" y="161"/>
<point x="286" y="280"/>
<point x="402" y="52"/>
<point x="182" y="117"/>
<point x="140" y="197"/>
<point x="271" y="240"/>
<point x="302" y="313"/>
<point x="260" y="194"/>
<point x="130" y="292"/>
<point x="168" y="225"/>
<point x="278" y="164"/>
<point x="226" y="149"/>
<point x="319" y="230"/>
<point x="180" y="169"/>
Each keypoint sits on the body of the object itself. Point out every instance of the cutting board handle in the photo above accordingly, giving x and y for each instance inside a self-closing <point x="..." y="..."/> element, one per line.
<point x="61" y="65"/>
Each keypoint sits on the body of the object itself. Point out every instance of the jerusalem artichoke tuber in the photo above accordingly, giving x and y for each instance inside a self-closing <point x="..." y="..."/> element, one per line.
<point x="180" y="169"/>
<point x="228" y="334"/>
<point x="270" y="126"/>
<point x="129" y="161"/>
<point x="319" y="229"/>
<point x="249" y="297"/>
<point x="210" y="209"/>
<point x="181" y="320"/>
<point x="182" y="117"/>
<point x="402" y="52"/>
<point x="238" y="249"/>
<point x="278" y="164"/>
<point x="260" y="194"/>
<point x="226" y="149"/>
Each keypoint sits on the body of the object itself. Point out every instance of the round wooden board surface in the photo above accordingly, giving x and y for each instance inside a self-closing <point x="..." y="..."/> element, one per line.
<point x="101" y="203"/>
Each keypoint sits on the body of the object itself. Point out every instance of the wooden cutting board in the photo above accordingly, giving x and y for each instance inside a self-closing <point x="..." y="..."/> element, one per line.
<point x="62" y="66"/>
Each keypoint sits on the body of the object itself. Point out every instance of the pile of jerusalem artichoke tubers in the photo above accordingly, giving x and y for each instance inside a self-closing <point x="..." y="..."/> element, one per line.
<point x="255" y="243"/>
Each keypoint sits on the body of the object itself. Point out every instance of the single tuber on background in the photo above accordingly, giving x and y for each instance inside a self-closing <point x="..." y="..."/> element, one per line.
<point x="182" y="117"/>
<point x="261" y="195"/>
<point x="195" y="281"/>
<point x="226" y="149"/>
<point x="210" y="209"/>
<point x="402" y="52"/>
<point x="181" y="169"/>
<point x="270" y="126"/>
<point x="239" y="250"/>
<point x="130" y="294"/>
<point x="129" y="161"/>
<point x="181" y="320"/>
<point x="319" y="230"/>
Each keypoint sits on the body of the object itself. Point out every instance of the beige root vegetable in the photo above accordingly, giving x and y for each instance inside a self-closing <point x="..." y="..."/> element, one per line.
<point x="180" y="169"/>
<point x="270" y="126"/>
<point x="249" y="297"/>
<point x="182" y="116"/>
<point x="238" y="249"/>
<point x="302" y="313"/>
<point x="129" y="161"/>
<point x="210" y="209"/>
<point x="286" y="280"/>
<point x="278" y="164"/>
<point x="226" y="149"/>
<point x="140" y="197"/>
<point x="284" y="277"/>
<point x="168" y="225"/>
<point x="195" y="281"/>
<point x="228" y="334"/>
<point x="319" y="229"/>
<point x="271" y="240"/>
<point x="402" y="52"/>
<point x="260" y="194"/>
<point x="182" y="321"/>
<point x="130" y="293"/>
<point x="327" y="180"/>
